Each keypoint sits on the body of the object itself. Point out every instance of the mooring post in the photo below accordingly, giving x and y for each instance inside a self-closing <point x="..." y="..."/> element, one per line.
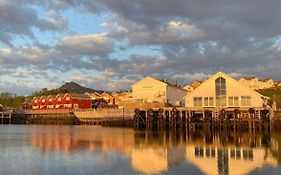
<point x="10" y="118"/>
<point x="2" y="118"/>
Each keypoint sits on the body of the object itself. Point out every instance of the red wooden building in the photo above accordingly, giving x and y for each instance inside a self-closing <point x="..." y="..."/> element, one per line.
<point x="62" y="101"/>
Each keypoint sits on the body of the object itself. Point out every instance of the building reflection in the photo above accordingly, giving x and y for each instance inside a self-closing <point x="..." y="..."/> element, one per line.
<point x="155" y="152"/>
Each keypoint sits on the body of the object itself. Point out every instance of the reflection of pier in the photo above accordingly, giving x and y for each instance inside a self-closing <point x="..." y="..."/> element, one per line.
<point x="155" y="152"/>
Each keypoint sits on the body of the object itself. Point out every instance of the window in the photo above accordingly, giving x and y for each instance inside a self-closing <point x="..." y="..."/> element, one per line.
<point x="220" y="91"/>
<point x="35" y="101"/>
<point x="197" y="101"/>
<point x="211" y="101"/>
<point x="236" y="101"/>
<point x="67" y="98"/>
<point x="230" y="101"/>
<point x="208" y="101"/>
<point x="50" y="100"/>
<point x="245" y="100"/>
<point x="43" y="100"/>
<point x="59" y="99"/>
<point x="233" y="101"/>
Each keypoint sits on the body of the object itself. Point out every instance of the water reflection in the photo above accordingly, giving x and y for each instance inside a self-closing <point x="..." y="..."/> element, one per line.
<point x="150" y="152"/>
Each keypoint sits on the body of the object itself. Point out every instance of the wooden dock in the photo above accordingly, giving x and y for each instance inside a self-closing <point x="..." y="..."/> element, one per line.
<point x="157" y="118"/>
<point x="106" y="116"/>
<point x="212" y="118"/>
<point x="6" y="115"/>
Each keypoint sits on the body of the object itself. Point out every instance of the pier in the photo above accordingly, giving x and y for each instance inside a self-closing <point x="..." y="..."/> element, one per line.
<point x="212" y="118"/>
<point x="6" y="116"/>
<point x="153" y="118"/>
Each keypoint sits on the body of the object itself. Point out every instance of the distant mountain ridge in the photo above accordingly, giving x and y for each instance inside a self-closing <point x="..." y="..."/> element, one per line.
<point x="76" y="88"/>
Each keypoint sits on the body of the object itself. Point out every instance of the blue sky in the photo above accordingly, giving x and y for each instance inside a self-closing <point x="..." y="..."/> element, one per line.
<point x="110" y="44"/>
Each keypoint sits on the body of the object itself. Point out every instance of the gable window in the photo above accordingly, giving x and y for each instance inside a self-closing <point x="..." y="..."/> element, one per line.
<point x="67" y="98"/>
<point x="197" y="101"/>
<point x="220" y="91"/>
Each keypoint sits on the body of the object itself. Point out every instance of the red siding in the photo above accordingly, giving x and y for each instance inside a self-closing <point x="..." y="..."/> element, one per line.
<point x="64" y="103"/>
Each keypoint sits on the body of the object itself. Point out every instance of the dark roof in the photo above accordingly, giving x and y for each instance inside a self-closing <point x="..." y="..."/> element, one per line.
<point x="249" y="78"/>
<point x="78" y="95"/>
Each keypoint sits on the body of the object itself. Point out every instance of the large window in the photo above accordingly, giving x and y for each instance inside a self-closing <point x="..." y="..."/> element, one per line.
<point x="197" y="101"/>
<point x="220" y="91"/>
<point x="208" y="101"/>
<point x="245" y="100"/>
<point x="233" y="101"/>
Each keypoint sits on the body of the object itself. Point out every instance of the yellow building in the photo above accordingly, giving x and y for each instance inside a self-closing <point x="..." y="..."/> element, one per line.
<point x="188" y="88"/>
<point x="255" y="83"/>
<point x="151" y="89"/>
<point x="221" y="90"/>
<point x="107" y="97"/>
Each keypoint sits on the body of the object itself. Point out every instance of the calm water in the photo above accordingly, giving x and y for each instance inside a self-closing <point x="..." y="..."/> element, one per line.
<point x="34" y="149"/>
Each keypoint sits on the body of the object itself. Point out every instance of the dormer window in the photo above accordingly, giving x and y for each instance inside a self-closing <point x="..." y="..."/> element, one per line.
<point x="50" y="100"/>
<point x="67" y="98"/>
<point x="43" y="100"/>
<point x="35" y="101"/>
<point x="59" y="99"/>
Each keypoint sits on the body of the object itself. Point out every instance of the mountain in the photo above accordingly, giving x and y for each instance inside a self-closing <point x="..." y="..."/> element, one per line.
<point x="75" y="87"/>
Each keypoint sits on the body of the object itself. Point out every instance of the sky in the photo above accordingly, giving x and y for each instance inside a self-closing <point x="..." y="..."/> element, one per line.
<point x="110" y="44"/>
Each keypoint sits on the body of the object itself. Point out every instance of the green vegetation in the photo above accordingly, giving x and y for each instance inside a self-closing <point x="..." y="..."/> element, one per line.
<point x="11" y="100"/>
<point x="273" y="93"/>
<point x="47" y="92"/>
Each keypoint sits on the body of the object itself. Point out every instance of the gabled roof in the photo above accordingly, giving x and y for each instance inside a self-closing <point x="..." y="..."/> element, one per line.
<point x="221" y="74"/>
<point x="58" y="95"/>
<point x="149" y="77"/>
<point x="50" y="96"/>
<point x="160" y="81"/>
<point x="77" y="96"/>
<point x="96" y="95"/>
<point x="107" y="94"/>
<point x="265" y="80"/>
<point x="249" y="78"/>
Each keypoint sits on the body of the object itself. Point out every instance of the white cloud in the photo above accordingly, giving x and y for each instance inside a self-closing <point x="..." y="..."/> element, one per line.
<point x="92" y="44"/>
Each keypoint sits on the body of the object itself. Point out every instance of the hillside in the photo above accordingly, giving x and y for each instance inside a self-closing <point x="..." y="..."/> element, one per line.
<point x="71" y="87"/>
<point x="75" y="87"/>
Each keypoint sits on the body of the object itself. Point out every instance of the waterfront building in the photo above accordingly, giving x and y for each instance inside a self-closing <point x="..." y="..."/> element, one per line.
<point x="255" y="83"/>
<point x="122" y="97"/>
<point x="196" y="84"/>
<point x="188" y="88"/>
<point x="107" y="97"/>
<point x="62" y="101"/>
<point x="221" y="90"/>
<point x="151" y="89"/>
<point x="93" y="95"/>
